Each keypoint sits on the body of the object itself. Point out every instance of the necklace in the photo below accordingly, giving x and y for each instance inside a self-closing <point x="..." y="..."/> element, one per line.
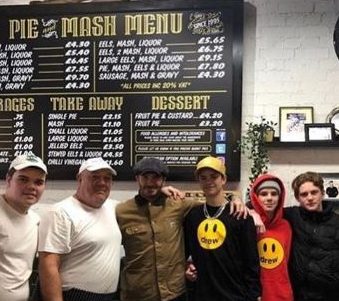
<point x="217" y="213"/>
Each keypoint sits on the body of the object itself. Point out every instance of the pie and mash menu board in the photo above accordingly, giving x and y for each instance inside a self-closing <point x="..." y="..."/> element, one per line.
<point x="122" y="81"/>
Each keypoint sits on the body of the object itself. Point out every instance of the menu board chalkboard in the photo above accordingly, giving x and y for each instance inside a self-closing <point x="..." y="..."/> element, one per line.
<point x="122" y="81"/>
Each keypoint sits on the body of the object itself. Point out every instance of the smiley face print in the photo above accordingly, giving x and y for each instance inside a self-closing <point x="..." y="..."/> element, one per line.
<point x="271" y="253"/>
<point x="211" y="233"/>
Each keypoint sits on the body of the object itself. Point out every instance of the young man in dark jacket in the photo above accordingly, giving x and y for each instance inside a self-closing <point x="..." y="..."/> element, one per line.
<point x="315" y="251"/>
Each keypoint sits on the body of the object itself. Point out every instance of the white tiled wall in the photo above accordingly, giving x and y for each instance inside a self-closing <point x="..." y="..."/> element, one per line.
<point x="289" y="60"/>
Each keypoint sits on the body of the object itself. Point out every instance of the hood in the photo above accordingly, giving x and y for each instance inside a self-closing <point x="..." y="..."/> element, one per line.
<point x="258" y="207"/>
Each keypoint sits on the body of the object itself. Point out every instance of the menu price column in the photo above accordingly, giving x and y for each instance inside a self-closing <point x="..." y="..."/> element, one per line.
<point x="112" y="139"/>
<point x="77" y="64"/>
<point x="211" y="57"/>
<point x="22" y="141"/>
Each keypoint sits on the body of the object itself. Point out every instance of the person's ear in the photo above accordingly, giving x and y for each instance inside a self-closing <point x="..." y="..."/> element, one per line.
<point x="8" y="178"/>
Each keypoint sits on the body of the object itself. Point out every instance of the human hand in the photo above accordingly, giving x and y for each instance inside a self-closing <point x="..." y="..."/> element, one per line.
<point x="191" y="272"/>
<point x="238" y="208"/>
<point x="257" y="221"/>
<point x="173" y="192"/>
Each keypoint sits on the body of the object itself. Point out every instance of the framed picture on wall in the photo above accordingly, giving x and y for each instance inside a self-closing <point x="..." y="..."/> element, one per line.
<point x="319" y="131"/>
<point x="292" y="122"/>
<point x="331" y="185"/>
<point x="333" y="116"/>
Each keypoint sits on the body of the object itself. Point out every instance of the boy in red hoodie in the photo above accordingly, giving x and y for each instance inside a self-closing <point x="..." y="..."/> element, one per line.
<point x="267" y="198"/>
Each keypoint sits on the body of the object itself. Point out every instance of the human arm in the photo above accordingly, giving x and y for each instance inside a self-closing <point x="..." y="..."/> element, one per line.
<point x="54" y="241"/>
<point x="248" y="241"/>
<point x="237" y="207"/>
<point x="49" y="276"/>
<point x="258" y="222"/>
<point x="289" y="213"/>
<point x="259" y="225"/>
<point x="191" y="272"/>
<point x="173" y="192"/>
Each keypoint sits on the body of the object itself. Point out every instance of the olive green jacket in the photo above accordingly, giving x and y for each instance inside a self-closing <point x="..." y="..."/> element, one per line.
<point x="152" y="236"/>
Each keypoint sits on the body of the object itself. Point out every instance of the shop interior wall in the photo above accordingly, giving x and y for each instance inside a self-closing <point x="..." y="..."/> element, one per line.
<point x="289" y="60"/>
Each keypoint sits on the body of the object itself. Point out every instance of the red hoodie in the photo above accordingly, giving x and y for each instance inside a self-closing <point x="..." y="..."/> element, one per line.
<point x="274" y="247"/>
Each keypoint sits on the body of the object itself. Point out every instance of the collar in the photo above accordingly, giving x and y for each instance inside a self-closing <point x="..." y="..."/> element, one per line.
<point x="321" y="216"/>
<point x="159" y="201"/>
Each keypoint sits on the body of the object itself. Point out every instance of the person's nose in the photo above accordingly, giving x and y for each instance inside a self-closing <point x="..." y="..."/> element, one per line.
<point x="102" y="181"/>
<point x="270" y="195"/>
<point x="269" y="198"/>
<point x="309" y="197"/>
<point x="150" y="181"/>
<point x="31" y="185"/>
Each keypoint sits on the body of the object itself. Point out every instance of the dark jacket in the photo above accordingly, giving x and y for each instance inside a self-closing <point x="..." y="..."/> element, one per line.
<point x="315" y="253"/>
<point x="273" y="246"/>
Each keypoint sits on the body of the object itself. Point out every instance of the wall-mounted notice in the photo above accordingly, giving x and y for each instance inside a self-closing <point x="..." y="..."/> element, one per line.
<point x="122" y="81"/>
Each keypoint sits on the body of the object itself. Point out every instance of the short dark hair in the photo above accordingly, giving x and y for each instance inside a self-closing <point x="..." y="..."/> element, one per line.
<point x="308" y="176"/>
<point x="11" y="172"/>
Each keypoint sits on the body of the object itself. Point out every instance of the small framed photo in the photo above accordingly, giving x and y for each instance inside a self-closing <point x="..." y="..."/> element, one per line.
<point x="333" y="117"/>
<point x="319" y="131"/>
<point x="331" y="185"/>
<point x="292" y="122"/>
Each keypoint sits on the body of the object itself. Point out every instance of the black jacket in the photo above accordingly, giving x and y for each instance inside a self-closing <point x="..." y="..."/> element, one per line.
<point x="314" y="262"/>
